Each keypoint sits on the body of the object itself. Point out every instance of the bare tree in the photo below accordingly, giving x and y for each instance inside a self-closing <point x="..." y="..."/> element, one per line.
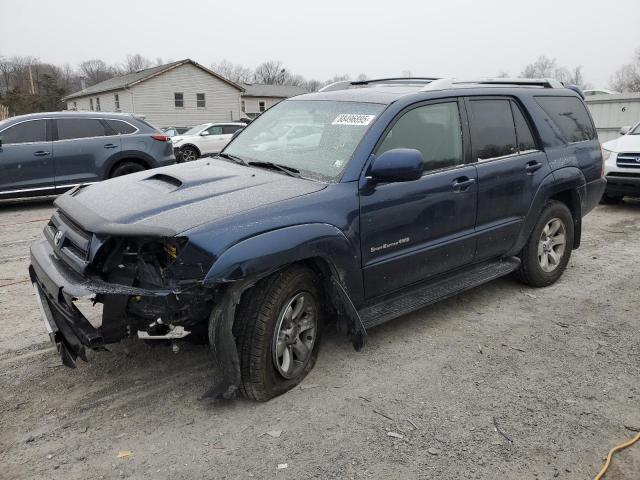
<point x="235" y="72"/>
<point x="135" y="63"/>
<point x="543" y="67"/>
<point x="96" y="71"/>
<point x="503" y="74"/>
<point x="313" y="85"/>
<point x="362" y="77"/>
<point x="271" y="72"/>
<point x="627" y="78"/>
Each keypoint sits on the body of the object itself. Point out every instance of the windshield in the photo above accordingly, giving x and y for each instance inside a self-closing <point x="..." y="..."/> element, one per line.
<point x="196" y="130"/>
<point x="316" y="138"/>
<point x="636" y="130"/>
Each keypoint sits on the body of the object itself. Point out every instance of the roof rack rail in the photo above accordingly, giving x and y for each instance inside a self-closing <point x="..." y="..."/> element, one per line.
<point x="446" y="83"/>
<point x="345" y="84"/>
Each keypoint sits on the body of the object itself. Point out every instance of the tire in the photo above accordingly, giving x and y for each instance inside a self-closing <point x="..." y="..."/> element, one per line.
<point x="263" y="309"/>
<point x="188" y="154"/>
<point x="544" y="243"/>
<point x="611" y="199"/>
<point x="125" y="168"/>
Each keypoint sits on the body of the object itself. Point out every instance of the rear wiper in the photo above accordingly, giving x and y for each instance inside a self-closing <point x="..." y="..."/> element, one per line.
<point x="233" y="158"/>
<point x="292" y="172"/>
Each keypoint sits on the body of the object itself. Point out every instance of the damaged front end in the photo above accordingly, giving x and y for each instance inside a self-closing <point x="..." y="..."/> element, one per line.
<point x="149" y="287"/>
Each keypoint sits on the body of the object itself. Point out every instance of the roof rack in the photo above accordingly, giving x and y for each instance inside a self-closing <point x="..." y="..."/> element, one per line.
<point x="345" y="84"/>
<point x="445" y="83"/>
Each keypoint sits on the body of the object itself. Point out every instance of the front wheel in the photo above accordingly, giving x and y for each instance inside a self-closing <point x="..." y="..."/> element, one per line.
<point x="547" y="252"/>
<point x="277" y="329"/>
<point x="125" y="168"/>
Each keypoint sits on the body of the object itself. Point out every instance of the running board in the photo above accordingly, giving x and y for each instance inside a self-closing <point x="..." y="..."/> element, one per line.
<point x="431" y="292"/>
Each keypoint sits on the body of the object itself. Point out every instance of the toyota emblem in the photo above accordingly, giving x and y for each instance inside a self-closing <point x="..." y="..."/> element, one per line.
<point x="57" y="238"/>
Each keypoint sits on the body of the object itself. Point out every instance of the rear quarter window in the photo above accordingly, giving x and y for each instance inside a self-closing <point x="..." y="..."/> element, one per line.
<point x="123" y="128"/>
<point x="570" y="116"/>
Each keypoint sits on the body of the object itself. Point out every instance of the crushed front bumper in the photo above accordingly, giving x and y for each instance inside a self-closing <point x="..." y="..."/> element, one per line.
<point x="56" y="288"/>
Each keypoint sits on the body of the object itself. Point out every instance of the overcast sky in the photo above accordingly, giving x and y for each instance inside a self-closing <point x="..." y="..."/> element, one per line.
<point x="321" y="38"/>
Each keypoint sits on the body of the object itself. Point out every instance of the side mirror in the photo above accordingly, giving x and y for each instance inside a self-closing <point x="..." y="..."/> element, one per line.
<point x="204" y="134"/>
<point x="397" y="165"/>
<point x="235" y="134"/>
<point x="624" y="130"/>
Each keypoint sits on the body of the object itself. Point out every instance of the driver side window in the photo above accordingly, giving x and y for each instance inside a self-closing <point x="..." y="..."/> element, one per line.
<point x="434" y="130"/>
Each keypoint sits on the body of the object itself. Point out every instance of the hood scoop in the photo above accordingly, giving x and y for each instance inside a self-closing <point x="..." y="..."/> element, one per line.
<point x="164" y="182"/>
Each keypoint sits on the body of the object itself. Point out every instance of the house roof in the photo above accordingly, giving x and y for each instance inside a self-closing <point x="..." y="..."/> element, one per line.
<point x="274" y="91"/>
<point x="124" y="81"/>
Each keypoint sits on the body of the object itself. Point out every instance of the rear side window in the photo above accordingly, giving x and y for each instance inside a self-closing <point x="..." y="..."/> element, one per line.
<point x="215" y="130"/>
<point x="434" y="130"/>
<point x="227" y="129"/>
<point x="69" y="128"/>
<point x="120" y="127"/>
<point x="523" y="132"/>
<point x="570" y="116"/>
<point x="493" y="133"/>
<point x="25" y="132"/>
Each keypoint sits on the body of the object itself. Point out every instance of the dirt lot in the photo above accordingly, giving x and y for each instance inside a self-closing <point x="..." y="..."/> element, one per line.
<point x="500" y="382"/>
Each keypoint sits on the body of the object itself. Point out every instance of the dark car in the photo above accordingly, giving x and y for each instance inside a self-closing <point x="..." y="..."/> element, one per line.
<point x="49" y="153"/>
<point x="415" y="190"/>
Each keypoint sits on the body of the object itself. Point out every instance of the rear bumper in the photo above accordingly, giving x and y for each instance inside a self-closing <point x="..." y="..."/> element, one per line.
<point x="593" y="192"/>
<point x="623" y="184"/>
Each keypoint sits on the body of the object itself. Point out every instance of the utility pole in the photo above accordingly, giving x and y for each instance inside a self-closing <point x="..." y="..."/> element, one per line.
<point x="33" y="90"/>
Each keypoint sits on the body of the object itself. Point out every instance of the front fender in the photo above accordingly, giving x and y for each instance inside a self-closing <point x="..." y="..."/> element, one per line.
<point x="268" y="252"/>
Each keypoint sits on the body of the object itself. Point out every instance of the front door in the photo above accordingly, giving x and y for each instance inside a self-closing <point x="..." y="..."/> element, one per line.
<point x="510" y="170"/>
<point x="411" y="231"/>
<point x="215" y="141"/>
<point x="83" y="146"/>
<point x="26" y="161"/>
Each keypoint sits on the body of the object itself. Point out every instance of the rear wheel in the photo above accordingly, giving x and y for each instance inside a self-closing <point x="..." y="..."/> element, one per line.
<point x="611" y="199"/>
<point x="547" y="252"/>
<point x="277" y="327"/>
<point x="189" y="154"/>
<point x="125" y="168"/>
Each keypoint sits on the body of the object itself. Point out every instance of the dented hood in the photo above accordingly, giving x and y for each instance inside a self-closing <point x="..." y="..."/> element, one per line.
<point x="169" y="200"/>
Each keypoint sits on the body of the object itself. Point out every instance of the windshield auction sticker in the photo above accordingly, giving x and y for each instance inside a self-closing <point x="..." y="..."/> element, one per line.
<point x="353" y="119"/>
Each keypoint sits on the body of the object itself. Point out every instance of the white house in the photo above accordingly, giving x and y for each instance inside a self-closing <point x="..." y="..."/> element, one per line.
<point x="182" y="93"/>
<point x="257" y="97"/>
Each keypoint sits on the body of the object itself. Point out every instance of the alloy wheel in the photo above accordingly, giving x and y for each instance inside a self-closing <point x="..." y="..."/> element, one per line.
<point x="552" y="245"/>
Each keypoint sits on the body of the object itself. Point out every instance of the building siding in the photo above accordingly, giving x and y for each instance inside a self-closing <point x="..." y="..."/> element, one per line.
<point x="252" y="104"/>
<point x="154" y="99"/>
<point x="612" y="112"/>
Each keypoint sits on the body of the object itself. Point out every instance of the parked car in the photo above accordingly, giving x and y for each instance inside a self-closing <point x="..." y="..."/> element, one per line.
<point x="174" y="131"/>
<point x="49" y="153"/>
<point x="417" y="190"/>
<point x="622" y="165"/>
<point x="204" y="139"/>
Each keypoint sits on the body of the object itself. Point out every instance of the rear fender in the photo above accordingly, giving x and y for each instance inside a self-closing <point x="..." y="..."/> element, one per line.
<point x="569" y="183"/>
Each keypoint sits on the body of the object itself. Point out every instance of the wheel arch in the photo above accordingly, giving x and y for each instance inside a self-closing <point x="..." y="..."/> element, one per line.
<point x="120" y="160"/>
<point x="191" y="145"/>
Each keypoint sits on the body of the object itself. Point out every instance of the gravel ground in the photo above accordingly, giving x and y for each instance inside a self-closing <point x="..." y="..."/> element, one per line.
<point x="500" y="382"/>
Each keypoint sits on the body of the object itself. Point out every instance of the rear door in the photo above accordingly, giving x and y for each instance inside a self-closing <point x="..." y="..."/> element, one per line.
<point x="83" y="146"/>
<point x="510" y="169"/>
<point x="415" y="230"/>
<point x="26" y="161"/>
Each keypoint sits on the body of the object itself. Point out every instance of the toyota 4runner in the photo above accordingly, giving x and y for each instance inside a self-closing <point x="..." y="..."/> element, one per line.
<point x="409" y="191"/>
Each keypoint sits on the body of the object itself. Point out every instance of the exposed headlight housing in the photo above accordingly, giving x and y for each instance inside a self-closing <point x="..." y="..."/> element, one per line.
<point x="606" y="154"/>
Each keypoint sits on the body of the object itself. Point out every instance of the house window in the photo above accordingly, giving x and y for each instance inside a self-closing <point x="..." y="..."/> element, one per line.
<point x="244" y="108"/>
<point x="116" y="100"/>
<point x="91" y="104"/>
<point x="261" y="106"/>
<point x="200" y="103"/>
<point x="178" y="99"/>
<point x="98" y="104"/>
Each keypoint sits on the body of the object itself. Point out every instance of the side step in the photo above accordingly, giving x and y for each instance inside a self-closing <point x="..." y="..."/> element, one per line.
<point x="433" y="291"/>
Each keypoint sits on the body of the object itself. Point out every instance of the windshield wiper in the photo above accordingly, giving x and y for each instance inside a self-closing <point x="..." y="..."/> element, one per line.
<point x="233" y="158"/>
<point x="292" y="172"/>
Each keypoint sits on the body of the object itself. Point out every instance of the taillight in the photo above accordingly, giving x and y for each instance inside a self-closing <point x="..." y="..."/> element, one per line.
<point x="161" y="138"/>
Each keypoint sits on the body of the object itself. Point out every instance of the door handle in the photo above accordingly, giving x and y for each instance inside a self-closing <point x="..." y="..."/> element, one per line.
<point x="462" y="184"/>
<point x="41" y="153"/>
<point x="533" y="166"/>
<point x="110" y="145"/>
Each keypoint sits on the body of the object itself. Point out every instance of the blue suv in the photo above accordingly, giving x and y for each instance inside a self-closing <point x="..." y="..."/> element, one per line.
<point x="49" y="153"/>
<point x="356" y="204"/>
